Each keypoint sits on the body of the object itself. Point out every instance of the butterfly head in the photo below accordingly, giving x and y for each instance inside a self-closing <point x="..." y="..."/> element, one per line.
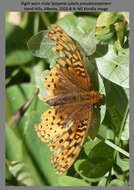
<point x="95" y="97"/>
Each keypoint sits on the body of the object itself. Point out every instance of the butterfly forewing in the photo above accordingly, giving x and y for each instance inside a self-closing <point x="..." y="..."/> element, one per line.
<point x="69" y="61"/>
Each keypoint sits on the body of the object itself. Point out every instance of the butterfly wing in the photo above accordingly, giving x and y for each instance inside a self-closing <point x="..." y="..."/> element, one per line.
<point x="69" y="62"/>
<point x="55" y="121"/>
<point x="65" y="126"/>
<point x="58" y="84"/>
<point x="65" y="129"/>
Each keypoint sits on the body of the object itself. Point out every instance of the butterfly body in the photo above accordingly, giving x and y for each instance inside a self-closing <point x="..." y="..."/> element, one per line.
<point x="90" y="98"/>
<point x="66" y="123"/>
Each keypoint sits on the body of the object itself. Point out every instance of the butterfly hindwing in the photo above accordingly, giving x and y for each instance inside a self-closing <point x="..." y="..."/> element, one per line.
<point x="65" y="129"/>
<point x="67" y="147"/>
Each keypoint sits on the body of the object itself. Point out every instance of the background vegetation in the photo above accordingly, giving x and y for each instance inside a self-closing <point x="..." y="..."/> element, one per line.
<point x="103" y="41"/>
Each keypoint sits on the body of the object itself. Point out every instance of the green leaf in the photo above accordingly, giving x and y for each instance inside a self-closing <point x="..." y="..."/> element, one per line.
<point x="16" y="151"/>
<point x="98" y="164"/>
<point x="117" y="182"/>
<point x="116" y="118"/>
<point x="104" y="34"/>
<point x="125" y="133"/>
<point x="117" y="171"/>
<point x="102" y="30"/>
<point x="115" y="108"/>
<point x="17" y="95"/>
<point x="102" y="151"/>
<point x="91" y="170"/>
<point x="115" y="68"/>
<point x="16" y="50"/>
<point x="13" y="143"/>
<point x="71" y="181"/>
<point x="95" y="124"/>
<point x="41" y="46"/>
<point x="90" y="144"/>
<point x="98" y="85"/>
<point x="18" y="57"/>
<point x="40" y="152"/>
<point x="20" y="172"/>
<point x="120" y="30"/>
<point x="24" y="20"/>
<point x="102" y="182"/>
<point x="79" y="25"/>
<point x="44" y="92"/>
<point x="106" y="18"/>
<point x="122" y="163"/>
<point x="113" y="91"/>
<point x="37" y="69"/>
<point x="105" y="131"/>
<point x="81" y="29"/>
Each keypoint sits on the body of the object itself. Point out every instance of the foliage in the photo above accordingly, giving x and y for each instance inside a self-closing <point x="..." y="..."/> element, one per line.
<point x="103" y="160"/>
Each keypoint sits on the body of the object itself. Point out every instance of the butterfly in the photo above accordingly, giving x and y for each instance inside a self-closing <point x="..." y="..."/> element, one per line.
<point x="71" y="97"/>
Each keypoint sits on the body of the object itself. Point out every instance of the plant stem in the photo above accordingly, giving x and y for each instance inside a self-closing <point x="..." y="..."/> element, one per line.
<point x="36" y="23"/>
<point x="18" y="114"/>
<point x="45" y="19"/>
<point x="14" y="73"/>
<point x="117" y="139"/>
<point x="114" y="146"/>
<point x="123" y="124"/>
<point x="108" y="178"/>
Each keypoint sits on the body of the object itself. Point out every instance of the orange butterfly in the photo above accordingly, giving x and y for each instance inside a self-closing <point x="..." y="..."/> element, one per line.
<point x="66" y="123"/>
